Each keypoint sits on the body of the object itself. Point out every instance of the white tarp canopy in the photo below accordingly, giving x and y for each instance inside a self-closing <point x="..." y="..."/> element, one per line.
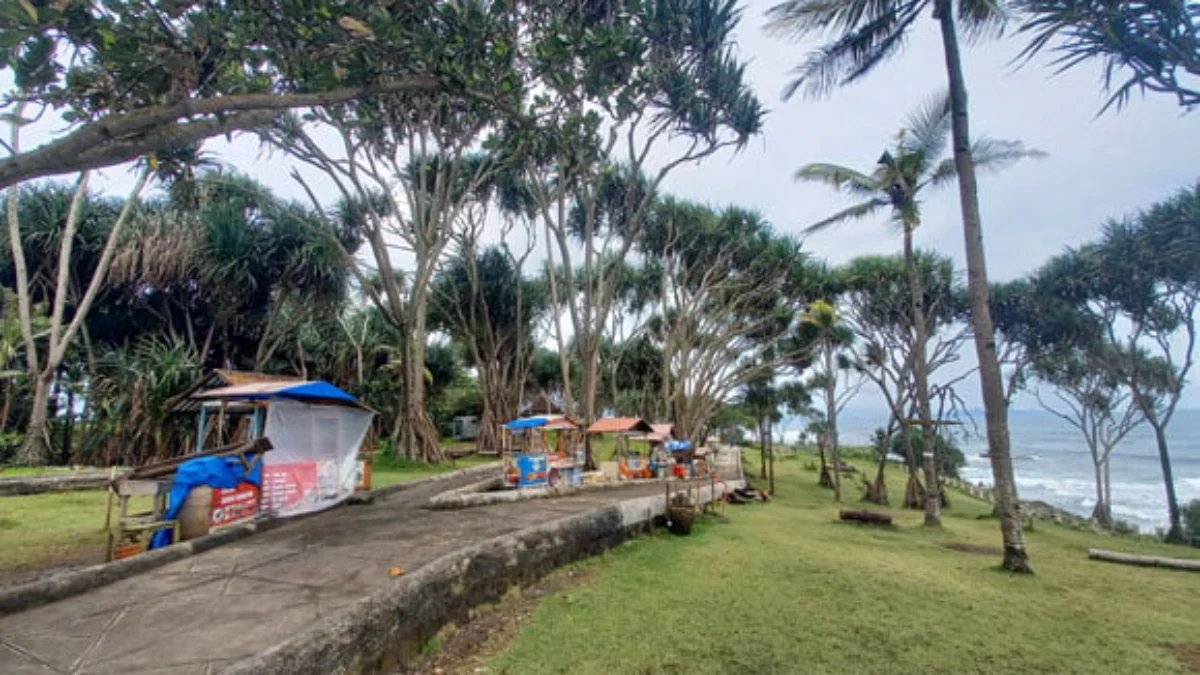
<point x="314" y="461"/>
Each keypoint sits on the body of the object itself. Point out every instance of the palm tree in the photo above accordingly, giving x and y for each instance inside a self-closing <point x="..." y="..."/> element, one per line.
<point x="830" y="335"/>
<point x="870" y="32"/>
<point x="915" y="162"/>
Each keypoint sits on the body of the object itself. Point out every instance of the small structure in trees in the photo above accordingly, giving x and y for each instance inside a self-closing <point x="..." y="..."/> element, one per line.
<point x="542" y="404"/>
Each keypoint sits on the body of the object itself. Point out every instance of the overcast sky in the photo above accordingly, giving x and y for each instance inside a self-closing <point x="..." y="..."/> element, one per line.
<point x="1097" y="168"/>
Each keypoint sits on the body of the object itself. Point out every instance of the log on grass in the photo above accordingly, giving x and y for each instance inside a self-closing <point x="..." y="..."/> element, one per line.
<point x="872" y="517"/>
<point x="1192" y="564"/>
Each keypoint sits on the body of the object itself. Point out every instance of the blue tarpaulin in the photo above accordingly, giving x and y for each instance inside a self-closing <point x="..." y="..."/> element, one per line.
<point x="679" y="445"/>
<point x="215" y="472"/>
<point x="303" y="391"/>
<point x="528" y="423"/>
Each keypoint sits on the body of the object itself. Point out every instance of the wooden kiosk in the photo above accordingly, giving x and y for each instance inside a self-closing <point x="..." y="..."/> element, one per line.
<point x="541" y="450"/>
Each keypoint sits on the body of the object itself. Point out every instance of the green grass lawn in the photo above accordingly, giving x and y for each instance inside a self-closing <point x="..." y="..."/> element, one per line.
<point x="14" y="471"/>
<point x="67" y="528"/>
<point x="392" y="470"/>
<point x="785" y="588"/>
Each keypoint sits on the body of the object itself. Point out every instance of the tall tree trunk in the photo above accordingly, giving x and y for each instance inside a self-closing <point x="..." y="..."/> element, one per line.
<point x="824" y="479"/>
<point x="1016" y="556"/>
<point x="37" y="434"/>
<point x="564" y="358"/>
<point x="1101" y="513"/>
<point x="831" y="418"/>
<point x="877" y="491"/>
<point x="1108" y="488"/>
<point x="920" y="366"/>
<point x="68" y="427"/>
<point x="1175" y="531"/>
<point x="762" y="450"/>
<point x="8" y="393"/>
<point x="771" y="454"/>
<point x="591" y="366"/>
<point x="421" y="438"/>
<point x="914" y="492"/>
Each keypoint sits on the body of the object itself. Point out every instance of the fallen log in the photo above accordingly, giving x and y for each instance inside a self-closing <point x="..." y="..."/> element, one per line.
<point x="1192" y="564"/>
<point x="871" y="517"/>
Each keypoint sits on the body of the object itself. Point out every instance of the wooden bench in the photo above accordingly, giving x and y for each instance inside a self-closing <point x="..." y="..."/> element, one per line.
<point x="133" y="531"/>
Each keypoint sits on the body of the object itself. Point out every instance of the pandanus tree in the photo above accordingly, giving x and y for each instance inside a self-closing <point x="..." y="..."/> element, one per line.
<point x="42" y="362"/>
<point x="877" y="303"/>
<point x="630" y="92"/>
<point x="868" y="32"/>
<point x="915" y="163"/>
<point x="1143" y="46"/>
<point x="1141" y="284"/>
<point x="727" y="302"/>
<point x="481" y="300"/>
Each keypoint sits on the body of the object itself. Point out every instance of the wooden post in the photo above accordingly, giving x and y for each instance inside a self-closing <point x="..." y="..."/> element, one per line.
<point x="203" y="424"/>
<point x="108" y="551"/>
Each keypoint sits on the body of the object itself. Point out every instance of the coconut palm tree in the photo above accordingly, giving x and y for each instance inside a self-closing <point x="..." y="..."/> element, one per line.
<point x="914" y="163"/>
<point x="826" y="331"/>
<point x="868" y="33"/>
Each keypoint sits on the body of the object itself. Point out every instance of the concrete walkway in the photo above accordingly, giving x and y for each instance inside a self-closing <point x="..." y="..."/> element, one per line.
<point x="201" y="614"/>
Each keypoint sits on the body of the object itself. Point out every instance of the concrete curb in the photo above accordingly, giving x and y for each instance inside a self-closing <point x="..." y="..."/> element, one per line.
<point x="21" y="597"/>
<point x="386" y="630"/>
<point x="44" y="591"/>
<point x="470" y="496"/>
<point x="437" y="478"/>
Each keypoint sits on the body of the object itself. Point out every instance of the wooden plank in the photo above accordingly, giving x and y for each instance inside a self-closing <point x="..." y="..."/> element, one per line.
<point x="1191" y="564"/>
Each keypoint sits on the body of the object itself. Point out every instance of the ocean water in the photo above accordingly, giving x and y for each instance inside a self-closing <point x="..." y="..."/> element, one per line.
<point x="1052" y="463"/>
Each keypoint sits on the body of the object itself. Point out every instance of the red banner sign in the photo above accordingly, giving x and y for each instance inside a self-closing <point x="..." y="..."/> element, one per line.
<point x="231" y="505"/>
<point x="286" y="485"/>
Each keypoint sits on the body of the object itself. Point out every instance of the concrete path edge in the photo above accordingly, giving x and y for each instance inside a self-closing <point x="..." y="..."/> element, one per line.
<point x="476" y="494"/>
<point x="388" y="629"/>
<point x="25" y="596"/>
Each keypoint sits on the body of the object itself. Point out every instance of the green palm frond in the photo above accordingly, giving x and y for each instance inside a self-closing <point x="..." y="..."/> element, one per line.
<point x="840" y="177"/>
<point x="995" y="154"/>
<point x="868" y="33"/>
<point x="860" y="210"/>
<point x="855" y="54"/>
<point x="982" y="19"/>
<point x="990" y="155"/>
<point x="927" y="128"/>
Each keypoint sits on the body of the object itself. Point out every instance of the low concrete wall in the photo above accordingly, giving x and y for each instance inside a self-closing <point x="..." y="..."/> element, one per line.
<point x="66" y="584"/>
<point x="386" y="631"/>
<point x="53" y="482"/>
<point x="477" y="494"/>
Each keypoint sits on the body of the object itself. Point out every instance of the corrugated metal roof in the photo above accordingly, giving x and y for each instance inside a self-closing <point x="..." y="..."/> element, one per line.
<point x="606" y="425"/>
<point x="315" y="390"/>
<point x="220" y="377"/>
<point x="664" y="430"/>
<point x="234" y="378"/>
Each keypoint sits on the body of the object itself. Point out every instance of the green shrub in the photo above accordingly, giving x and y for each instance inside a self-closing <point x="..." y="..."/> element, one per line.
<point x="949" y="458"/>
<point x="10" y="443"/>
<point x="1191" y="521"/>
